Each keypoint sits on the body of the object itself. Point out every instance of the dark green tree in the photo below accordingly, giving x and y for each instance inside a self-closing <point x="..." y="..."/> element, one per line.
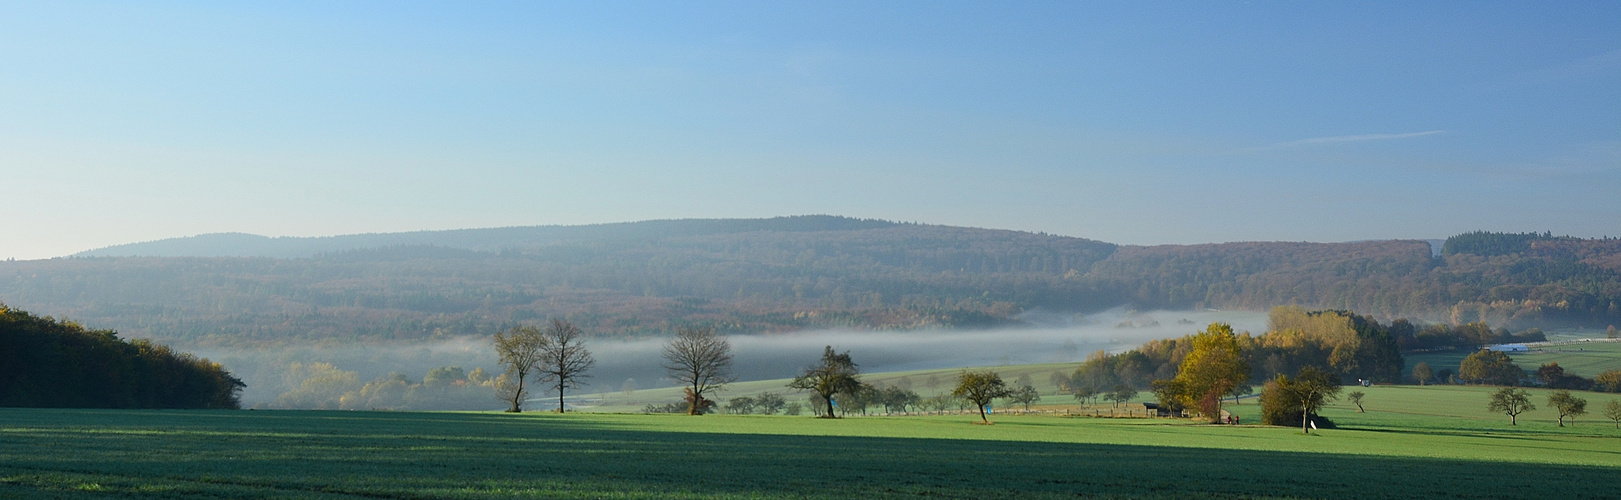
<point x="45" y="362"/>
<point x="1024" y="395"/>
<point x="896" y="398"/>
<point x="1567" y="405"/>
<point x="1355" y="397"/>
<point x="1512" y="402"/>
<point x="1491" y="368"/>
<point x="1241" y="390"/>
<point x="1287" y="399"/>
<point x="769" y="403"/>
<point x="1122" y="394"/>
<point x="834" y="374"/>
<point x="979" y="388"/>
<point x="741" y="405"/>
<point x="1422" y="372"/>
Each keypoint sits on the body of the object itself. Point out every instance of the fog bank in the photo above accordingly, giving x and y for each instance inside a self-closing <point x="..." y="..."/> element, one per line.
<point x="1055" y="338"/>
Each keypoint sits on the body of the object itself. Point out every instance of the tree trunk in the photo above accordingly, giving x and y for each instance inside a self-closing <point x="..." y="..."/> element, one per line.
<point x="560" y="400"/>
<point x="517" y="398"/>
<point x="1304" y="416"/>
<point x="829" y="399"/>
<point x="982" y="414"/>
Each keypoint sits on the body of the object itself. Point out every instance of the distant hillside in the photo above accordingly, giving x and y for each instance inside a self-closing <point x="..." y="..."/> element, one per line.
<point x="763" y="275"/>
<point x="484" y="240"/>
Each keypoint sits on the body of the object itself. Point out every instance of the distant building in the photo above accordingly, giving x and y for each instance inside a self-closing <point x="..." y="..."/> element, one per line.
<point x="1157" y="410"/>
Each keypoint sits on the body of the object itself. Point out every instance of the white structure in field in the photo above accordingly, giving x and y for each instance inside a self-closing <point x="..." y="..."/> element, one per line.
<point x="1509" y="348"/>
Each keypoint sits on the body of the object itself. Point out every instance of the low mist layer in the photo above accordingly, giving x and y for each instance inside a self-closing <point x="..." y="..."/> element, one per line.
<point x="1061" y="338"/>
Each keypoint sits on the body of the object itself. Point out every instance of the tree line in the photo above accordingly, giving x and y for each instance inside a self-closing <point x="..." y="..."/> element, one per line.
<point x="1350" y="346"/>
<point x="1303" y="358"/>
<point x="701" y="361"/>
<point x="323" y="386"/>
<point x="45" y="362"/>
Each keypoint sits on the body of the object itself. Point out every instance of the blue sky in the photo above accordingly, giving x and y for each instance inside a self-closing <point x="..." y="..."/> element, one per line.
<point x="1124" y="122"/>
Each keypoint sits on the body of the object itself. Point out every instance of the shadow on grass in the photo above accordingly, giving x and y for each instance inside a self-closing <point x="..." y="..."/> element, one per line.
<point x="262" y="454"/>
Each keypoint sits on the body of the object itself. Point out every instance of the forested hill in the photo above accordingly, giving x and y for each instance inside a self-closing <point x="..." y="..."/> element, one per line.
<point x="483" y="240"/>
<point x="781" y="274"/>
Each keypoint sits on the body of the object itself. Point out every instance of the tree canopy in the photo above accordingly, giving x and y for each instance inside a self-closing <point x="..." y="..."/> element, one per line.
<point x="1286" y="400"/>
<point x="521" y="349"/>
<point x="835" y="373"/>
<point x="1213" y="366"/>
<point x="1566" y="405"/>
<point x="45" y="362"/>
<point x="980" y="387"/>
<point x="1512" y="402"/>
<point x="1491" y="368"/>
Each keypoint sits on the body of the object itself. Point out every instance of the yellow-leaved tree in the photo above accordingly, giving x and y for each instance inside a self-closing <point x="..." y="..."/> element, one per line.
<point x="1212" y="369"/>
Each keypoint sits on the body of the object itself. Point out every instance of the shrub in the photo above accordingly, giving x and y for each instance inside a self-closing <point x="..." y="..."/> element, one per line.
<point x="1284" y="399"/>
<point x="1609" y="381"/>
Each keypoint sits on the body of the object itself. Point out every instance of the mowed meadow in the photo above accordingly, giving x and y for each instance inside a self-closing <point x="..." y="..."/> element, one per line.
<point x="1436" y="441"/>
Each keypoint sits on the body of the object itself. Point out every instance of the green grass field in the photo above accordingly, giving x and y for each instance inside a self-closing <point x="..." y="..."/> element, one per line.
<point x="1580" y="358"/>
<point x="1435" y="441"/>
<point x="618" y="402"/>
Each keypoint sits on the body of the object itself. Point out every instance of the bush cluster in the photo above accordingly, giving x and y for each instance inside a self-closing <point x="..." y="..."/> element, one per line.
<point x="49" y="363"/>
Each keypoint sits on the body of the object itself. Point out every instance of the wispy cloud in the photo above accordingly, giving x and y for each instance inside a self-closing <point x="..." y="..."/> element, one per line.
<point x="1338" y="139"/>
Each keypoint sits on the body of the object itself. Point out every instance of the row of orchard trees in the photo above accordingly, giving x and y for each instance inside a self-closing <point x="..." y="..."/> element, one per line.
<point x="836" y="377"/>
<point x="1514" y="402"/>
<point x="701" y="361"/>
<point x="556" y="357"/>
<point x="45" y="362"/>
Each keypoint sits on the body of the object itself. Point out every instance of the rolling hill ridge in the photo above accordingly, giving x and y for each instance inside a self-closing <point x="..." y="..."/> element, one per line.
<point x="789" y="273"/>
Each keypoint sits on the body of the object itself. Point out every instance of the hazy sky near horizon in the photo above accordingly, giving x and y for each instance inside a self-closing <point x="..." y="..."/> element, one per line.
<point x="1119" y="121"/>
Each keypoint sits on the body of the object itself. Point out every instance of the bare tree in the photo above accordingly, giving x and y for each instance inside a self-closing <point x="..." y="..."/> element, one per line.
<point x="520" y="351"/>
<point x="701" y="360"/>
<point x="565" y="359"/>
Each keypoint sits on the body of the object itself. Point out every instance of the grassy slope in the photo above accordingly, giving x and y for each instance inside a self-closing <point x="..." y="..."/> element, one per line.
<point x="1581" y="358"/>
<point x="1430" y="441"/>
